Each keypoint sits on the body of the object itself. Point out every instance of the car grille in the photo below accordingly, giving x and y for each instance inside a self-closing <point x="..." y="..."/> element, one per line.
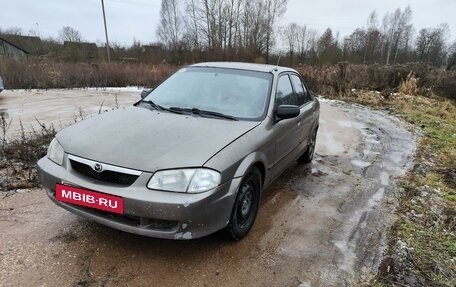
<point x="105" y="176"/>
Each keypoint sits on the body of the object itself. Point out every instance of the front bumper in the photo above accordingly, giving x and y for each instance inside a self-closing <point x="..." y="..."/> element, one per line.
<point x="148" y="212"/>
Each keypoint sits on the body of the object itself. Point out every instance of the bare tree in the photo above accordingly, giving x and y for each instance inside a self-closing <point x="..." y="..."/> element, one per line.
<point x="169" y="30"/>
<point x="451" y="60"/>
<point x="291" y="34"/>
<point x="327" y="47"/>
<point x="303" y="41"/>
<point x="372" y="37"/>
<point x="403" y="35"/>
<point x="70" y="34"/>
<point x="192" y="24"/>
<point x="222" y="27"/>
<point x="430" y="44"/>
<point x="12" y="31"/>
<point x="395" y="26"/>
<point x="274" y="9"/>
<point x="356" y="46"/>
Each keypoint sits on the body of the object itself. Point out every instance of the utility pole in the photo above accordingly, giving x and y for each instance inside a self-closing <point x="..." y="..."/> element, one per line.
<point x="106" y="31"/>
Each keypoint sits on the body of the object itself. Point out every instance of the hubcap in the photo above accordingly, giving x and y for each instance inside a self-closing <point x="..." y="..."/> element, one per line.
<point x="312" y="146"/>
<point x="245" y="203"/>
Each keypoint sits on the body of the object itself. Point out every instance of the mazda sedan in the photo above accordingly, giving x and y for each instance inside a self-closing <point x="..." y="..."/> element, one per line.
<point x="192" y="157"/>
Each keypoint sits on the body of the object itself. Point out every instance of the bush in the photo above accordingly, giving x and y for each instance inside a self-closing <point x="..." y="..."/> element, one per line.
<point x="18" y="156"/>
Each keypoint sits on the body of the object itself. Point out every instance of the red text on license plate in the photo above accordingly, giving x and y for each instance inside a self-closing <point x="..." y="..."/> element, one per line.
<point x="89" y="198"/>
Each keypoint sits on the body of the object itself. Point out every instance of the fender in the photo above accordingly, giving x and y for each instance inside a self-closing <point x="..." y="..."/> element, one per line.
<point x="249" y="161"/>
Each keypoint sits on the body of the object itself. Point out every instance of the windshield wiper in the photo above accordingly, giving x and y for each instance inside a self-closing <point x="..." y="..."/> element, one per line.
<point x="158" y="107"/>
<point x="153" y="105"/>
<point x="203" y="113"/>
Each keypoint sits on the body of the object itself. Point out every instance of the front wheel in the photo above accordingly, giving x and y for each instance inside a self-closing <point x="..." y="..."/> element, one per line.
<point x="245" y="206"/>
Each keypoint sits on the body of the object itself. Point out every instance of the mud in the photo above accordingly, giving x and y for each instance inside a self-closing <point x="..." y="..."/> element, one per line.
<point x="321" y="224"/>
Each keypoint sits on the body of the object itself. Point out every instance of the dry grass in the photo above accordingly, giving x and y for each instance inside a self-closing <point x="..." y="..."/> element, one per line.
<point x="37" y="74"/>
<point x="18" y="156"/>
<point x="338" y="80"/>
<point x="410" y="85"/>
<point x="413" y="78"/>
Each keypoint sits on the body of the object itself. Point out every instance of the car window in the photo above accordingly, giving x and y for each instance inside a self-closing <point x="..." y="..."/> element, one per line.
<point x="284" y="93"/>
<point x="301" y="91"/>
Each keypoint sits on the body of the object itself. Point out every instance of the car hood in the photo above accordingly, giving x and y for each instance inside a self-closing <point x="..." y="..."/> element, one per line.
<point x="148" y="140"/>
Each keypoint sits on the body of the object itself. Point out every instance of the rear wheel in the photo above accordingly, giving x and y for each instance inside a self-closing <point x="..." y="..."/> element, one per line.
<point x="245" y="206"/>
<point x="310" y="151"/>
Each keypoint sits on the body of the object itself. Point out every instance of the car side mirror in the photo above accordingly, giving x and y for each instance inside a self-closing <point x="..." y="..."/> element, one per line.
<point x="287" y="112"/>
<point x="145" y="93"/>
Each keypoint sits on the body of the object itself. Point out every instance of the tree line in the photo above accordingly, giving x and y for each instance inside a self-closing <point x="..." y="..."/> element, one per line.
<point x="248" y="30"/>
<point x="193" y="30"/>
<point x="390" y="42"/>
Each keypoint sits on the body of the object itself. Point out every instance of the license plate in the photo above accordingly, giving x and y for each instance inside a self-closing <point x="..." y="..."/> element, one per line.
<point x="88" y="198"/>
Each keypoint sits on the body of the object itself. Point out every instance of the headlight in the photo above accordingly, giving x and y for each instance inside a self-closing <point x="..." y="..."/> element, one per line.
<point x="191" y="180"/>
<point x="55" y="152"/>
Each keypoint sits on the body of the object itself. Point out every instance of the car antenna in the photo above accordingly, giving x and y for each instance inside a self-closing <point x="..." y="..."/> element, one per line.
<point x="277" y="65"/>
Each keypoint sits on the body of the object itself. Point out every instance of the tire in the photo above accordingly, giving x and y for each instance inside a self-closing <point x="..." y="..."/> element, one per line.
<point x="308" y="155"/>
<point x="245" y="206"/>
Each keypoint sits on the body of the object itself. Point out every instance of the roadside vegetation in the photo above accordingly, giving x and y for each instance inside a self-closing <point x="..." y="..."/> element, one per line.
<point x="18" y="156"/>
<point x="422" y="240"/>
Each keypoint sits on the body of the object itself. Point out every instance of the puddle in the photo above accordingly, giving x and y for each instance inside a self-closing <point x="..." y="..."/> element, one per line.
<point x="59" y="107"/>
<point x="360" y="163"/>
<point x="384" y="178"/>
<point x="376" y="198"/>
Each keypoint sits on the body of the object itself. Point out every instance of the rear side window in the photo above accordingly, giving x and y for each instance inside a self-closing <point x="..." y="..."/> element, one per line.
<point x="301" y="91"/>
<point x="284" y="94"/>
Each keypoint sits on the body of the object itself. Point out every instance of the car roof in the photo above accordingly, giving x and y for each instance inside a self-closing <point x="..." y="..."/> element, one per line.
<point x="245" y="66"/>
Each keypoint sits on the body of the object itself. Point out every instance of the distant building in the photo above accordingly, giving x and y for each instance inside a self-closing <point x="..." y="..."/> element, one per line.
<point x="10" y="50"/>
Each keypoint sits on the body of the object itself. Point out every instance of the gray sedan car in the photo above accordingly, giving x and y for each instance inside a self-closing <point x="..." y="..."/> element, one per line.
<point x="192" y="157"/>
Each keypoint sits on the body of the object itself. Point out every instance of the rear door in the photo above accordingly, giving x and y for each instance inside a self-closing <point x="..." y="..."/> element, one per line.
<point x="306" y="106"/>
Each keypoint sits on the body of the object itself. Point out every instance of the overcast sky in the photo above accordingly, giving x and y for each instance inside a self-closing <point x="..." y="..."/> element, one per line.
<point x="138" y="19"/>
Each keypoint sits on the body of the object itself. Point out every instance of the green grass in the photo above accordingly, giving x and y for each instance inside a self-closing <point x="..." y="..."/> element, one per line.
<point x="449" y="197"/>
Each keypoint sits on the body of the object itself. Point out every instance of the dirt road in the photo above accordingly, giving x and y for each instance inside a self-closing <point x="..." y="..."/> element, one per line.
<point x="321" y="224"/>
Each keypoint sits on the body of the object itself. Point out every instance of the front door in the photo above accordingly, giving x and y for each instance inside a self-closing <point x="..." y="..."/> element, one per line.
<point x="288" y="132"/>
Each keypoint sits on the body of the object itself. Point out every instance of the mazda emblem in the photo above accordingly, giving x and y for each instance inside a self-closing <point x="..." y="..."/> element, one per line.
<point x="98" y="167"/>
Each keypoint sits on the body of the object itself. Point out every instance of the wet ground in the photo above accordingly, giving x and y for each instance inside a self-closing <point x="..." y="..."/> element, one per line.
<point x="59" y="107"/>
<point x="321" y="224"/>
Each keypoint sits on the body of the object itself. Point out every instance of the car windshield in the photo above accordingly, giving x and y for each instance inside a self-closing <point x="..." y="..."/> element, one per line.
<point x="238" y="93"/>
